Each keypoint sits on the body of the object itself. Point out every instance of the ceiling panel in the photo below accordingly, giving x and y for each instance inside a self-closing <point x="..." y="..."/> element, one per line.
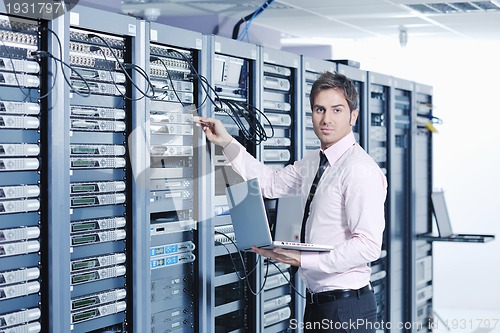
<point x="338" y="18"/>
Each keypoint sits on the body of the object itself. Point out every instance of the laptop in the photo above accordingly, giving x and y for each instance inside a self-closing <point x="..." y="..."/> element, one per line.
<point x="444" y="224"/>
<point x="250" y="223"/>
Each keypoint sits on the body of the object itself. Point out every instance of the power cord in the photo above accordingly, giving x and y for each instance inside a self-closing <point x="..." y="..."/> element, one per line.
<point x="246" y="273"/>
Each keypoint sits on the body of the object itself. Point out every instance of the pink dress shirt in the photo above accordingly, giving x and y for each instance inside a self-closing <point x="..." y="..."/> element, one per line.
<point x="347" y="210"/>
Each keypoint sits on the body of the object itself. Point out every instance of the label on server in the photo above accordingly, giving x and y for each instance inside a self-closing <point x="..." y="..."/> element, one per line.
<point x="100" y="311"/>
<point x="19" y="317"/>
<point x="178" y="259"/>
<point x="19" y="66"/>
<point x="15" y="234"/>
<point x="33" y="327"/>
<point x="98" y="237"/>
<point x="172" y="227"/>
<point x="97" y="163"/>
<point x="170" y="96"/>
<point x="19" y="206"/>
<point x="16" y="79"/>
<point x="98" y="299"/>
<point x="172" y="248"/>
<point x="97" y="125"/>
<point x="178" y="86"/>
<point x="19" y="122"/>
<point x="97" y="112"/>
<point x="19" y="164"/>
<point x="97" y="74"/>
<point x="277" y="316"/>
<point x="103" y="150"/>
<point x="12" y="249"/>
<point x="277" y="302"/>
<point x="277" y="280"/>
<point x="277" y="142"/>
<point x="97" y="88"/>
<point x="101" y="274"/>
<point x="21" y="275"/>
<point x="273" y="69"/>
<point x="100" y="187"/>
<point x="12" y="107"/>
<point x="18" y="290"/>
<point x="169" y="195"/>
<point x="19" y="149"/>
<point x="97" y="200"/>
<point x="176" y="129"/>
<point x="278" y="106"/>
<point x="171" y="117"/>
<point x="276" y="155"/>
<point x="276" y="83"/>
<point x="98" y="262"/>
<point x="98" y="224"/>
<point x="168" y="150"/>
<point x="279" y="119"/>
<point x="20" y="191"/>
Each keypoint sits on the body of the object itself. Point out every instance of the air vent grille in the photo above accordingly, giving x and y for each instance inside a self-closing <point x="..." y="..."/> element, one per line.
<point x="455" y="7"/>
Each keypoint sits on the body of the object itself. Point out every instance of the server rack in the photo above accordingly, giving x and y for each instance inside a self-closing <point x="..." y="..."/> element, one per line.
<point x="359" y="77"/>
<point x="421" y="311"/>
<point x="400" y="192"/>
<point x="173" y="62"/>
<point x="23" y="164"/>
<point x="377" y="145"/>
<point x="280" y="102"/>
<point x="311" y="69"/>
<point x="101" y="216"/>
<point x="231" y="69"/>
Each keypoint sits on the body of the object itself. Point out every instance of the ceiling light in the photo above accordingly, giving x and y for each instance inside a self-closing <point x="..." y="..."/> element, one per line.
<point x="403" y="36"/>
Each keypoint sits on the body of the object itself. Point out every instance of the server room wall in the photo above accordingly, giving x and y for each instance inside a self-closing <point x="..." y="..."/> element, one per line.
<point x="114" y="204"/>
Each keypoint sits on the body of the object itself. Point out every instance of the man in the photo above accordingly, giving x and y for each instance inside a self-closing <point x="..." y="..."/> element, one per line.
<point x="346" y="210"/>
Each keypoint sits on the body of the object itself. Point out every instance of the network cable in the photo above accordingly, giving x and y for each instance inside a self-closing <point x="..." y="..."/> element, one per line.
<point x="62" y="63"/>
<point x="90" y="36"/>
<point x="27" y="96"/>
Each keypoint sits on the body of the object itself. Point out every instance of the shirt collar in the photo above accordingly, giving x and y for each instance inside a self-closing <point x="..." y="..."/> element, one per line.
<point x="338" y="149"/>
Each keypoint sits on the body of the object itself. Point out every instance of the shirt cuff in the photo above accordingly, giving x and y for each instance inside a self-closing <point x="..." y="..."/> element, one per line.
<point x="232" y="150"/>
<point x="309" y="260"/>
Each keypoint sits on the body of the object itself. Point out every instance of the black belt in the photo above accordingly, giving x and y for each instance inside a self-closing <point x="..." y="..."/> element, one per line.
<point x="332" y="295"/>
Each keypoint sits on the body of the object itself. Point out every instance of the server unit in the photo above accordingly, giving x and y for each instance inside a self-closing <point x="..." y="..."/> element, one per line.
<point x="311" y="69"/>
<point x="173" y="205"/>
<point x="377" y="145"/>
<point x="231" y="70"/>
<point x="280" y="102"/>
<point x="22" y="217"/>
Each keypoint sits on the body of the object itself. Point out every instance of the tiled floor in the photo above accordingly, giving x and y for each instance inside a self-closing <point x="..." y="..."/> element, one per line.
<point x="467" y="321"/>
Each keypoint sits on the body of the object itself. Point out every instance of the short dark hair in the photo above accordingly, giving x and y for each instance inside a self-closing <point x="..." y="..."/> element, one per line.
<point x="329" y="80"/>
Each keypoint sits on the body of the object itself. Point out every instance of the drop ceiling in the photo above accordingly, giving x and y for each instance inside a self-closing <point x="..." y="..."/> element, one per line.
<point x="353" y="19"/>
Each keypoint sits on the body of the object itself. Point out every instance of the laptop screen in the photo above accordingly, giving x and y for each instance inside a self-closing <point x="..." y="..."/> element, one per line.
<point x="248" y="215"/>
<point x="441" y="214"/>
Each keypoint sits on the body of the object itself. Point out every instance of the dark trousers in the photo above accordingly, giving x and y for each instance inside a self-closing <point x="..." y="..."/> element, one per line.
<point x="354" y="314"/>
